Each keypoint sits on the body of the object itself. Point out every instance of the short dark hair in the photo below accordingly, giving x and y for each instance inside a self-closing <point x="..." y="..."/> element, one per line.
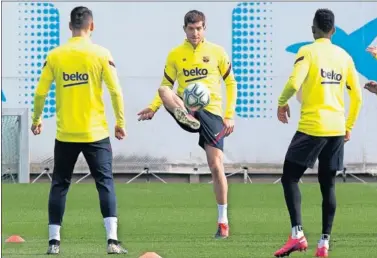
<point x="81" y="17"/>
<point x="324" y="19"/>
<point x="194" y="16"/>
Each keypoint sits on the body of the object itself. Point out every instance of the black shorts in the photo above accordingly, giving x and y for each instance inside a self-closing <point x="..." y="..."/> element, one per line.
<point x="211" y="129"/>
<point x="306" y="149"/>
<point x="97" y="154"/>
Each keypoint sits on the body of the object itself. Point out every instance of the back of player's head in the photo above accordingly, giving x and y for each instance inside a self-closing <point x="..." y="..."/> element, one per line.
<point x="81" y="18"/>
<point x="194" y="16"/>
<point x="324" y="19"/>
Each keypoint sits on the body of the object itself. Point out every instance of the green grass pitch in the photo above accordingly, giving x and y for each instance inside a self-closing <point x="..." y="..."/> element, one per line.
<point x="179" y="220"/>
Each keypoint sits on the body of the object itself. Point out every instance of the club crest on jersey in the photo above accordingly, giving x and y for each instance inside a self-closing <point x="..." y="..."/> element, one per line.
<point x="205" y="59"/>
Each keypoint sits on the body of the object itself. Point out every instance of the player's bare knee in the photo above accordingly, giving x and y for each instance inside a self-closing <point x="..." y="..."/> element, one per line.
<point x="164" y="91"/>
<point x="215" y="165"/>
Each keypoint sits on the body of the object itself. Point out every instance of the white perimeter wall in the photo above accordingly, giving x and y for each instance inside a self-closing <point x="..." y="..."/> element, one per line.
<point x="140" y="35"/>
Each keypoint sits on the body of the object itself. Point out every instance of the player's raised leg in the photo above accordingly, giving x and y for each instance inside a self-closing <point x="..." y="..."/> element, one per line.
<point x="176" y="106"/>
<point x="65" y="157"/>
<point x="99" y="158"/>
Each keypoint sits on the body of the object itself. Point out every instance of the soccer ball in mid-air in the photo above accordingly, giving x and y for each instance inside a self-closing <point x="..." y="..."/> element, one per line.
<point x="196" y="96"/>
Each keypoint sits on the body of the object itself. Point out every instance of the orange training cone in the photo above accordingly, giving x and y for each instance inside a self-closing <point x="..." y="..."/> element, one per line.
<point x="150" y="255"/>
<point x="15" y="239"/>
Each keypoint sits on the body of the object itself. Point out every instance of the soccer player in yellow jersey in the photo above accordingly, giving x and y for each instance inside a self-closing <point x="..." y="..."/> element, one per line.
<point x="323" y="71"/>
<point x="78" y="68"/>
<point x="200" y="60"/>
<point x="372" y="85"/>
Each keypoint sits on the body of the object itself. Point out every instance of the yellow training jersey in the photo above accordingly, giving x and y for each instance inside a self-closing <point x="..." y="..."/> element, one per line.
<point x="207" y="63"/>
<point x="78" y="69"/>
<point x="323" y="71"/>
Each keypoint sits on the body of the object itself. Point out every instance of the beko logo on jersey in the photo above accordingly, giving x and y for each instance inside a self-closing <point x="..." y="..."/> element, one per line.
<point x="331" y="77"/>
<point x="75" y="78"/>
<point x="195" y="72"/>
<point x="200" y="72"/>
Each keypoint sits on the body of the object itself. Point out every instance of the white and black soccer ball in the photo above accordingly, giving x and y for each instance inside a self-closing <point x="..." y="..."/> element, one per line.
<point x="196" y="96"/>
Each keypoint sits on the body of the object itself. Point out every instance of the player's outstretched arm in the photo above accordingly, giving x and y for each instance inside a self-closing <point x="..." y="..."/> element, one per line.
<point x="148" y="113"/>
<point x="226" y="71"/>
<point x="43" y="87"/>
<point x="372" y="51"/>
<point x="299" y="73"/>
<point x="111" y="80"/>
<point x="167" y="84"/>
<point x="371" y="86"/>
<point x="354" y="91"/>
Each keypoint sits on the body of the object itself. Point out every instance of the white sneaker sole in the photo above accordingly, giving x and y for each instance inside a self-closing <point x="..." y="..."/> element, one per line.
<point x="53" y="250"/>
<point x="181" y="116"/>
<point x="114" y="249"/>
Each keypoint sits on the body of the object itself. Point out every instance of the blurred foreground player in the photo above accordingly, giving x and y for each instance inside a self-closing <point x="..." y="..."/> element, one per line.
<point x="323" y="71"/>
<point x="78" y="68"/>
<point x="200" y="60"/>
